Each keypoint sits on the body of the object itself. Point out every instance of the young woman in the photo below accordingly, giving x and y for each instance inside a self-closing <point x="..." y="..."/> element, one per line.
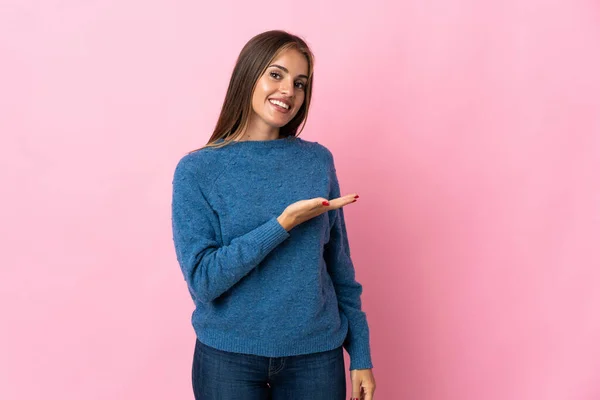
<point x="263" y="251"/>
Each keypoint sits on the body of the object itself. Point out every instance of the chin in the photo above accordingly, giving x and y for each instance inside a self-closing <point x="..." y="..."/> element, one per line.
<point x="274" y="124"/>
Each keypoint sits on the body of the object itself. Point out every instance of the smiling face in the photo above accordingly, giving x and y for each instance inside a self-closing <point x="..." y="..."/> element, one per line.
<point x="279" y="92"/>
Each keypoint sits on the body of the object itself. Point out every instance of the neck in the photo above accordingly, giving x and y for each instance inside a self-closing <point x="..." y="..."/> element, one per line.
<point x="256" y="137"/>
<point x="255" y="131"/>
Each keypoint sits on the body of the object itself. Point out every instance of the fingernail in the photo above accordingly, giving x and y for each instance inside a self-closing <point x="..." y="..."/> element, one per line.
<point x="325" y="203"/>
<point x="353" y="200"/>
<point x="356" y="197"/>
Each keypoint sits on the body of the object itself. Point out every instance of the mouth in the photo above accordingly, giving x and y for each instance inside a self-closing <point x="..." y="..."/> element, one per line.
<point x="281" y="106"/>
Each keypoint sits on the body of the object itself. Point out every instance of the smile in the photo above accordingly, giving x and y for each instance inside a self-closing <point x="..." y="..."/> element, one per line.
<point x="279" y="105"/>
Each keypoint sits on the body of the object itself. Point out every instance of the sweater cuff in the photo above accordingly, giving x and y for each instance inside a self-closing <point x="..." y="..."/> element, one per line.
<point x="271" y="234"/>
<point x="360" y="357"/>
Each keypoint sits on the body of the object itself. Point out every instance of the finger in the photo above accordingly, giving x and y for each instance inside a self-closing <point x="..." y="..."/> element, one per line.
<point x="356" y="389"/>
<point x="320" y="202"/>
<point x="344" y="200"/>
<point x="369" y="393"/>
<point x="350" y="196"/>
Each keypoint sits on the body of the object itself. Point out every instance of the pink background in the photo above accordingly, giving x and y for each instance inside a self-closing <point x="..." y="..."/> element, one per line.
<point x="470" y="129"/>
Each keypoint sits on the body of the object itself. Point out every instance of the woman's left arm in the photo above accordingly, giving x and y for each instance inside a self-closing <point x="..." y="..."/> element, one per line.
<point x="348" y="290"/>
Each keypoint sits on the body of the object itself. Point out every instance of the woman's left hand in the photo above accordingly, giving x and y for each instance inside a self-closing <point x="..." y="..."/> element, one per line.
<point x="363" y="384"/>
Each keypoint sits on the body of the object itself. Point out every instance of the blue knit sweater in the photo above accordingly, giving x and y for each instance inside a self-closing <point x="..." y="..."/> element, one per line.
<point x="257" y="288"/>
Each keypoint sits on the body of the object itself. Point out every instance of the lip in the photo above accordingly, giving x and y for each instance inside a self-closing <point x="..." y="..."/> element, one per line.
<point x="283" y="101"/>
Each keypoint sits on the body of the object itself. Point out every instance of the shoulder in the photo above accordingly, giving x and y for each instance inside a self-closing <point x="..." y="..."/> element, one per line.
<point x="319" y="150"/>
<point x="201" y="165"/>
<point x="197" y="159"/>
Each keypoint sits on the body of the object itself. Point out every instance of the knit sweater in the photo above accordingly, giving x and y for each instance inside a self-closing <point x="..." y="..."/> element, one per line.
<point x="258" y="288"/>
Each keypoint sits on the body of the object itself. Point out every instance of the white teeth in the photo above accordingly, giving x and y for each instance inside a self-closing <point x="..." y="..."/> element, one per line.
<point x="279" y="103"/>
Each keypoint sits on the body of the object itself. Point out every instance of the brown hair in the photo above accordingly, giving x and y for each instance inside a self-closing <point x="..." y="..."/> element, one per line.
<point x="251" y="64"/>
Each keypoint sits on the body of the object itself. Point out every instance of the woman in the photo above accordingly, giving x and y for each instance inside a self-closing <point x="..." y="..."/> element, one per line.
<point x="263" y="252"/>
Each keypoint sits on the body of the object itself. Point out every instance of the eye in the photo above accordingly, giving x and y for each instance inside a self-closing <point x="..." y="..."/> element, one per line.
<point x="300" y="85"/>
<point x="272" y="73"/>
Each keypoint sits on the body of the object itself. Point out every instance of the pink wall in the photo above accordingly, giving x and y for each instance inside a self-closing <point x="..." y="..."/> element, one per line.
<point x="470" y="130"/>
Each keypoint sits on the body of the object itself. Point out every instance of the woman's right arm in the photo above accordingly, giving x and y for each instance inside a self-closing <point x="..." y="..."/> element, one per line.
<point x="209" y="268"/>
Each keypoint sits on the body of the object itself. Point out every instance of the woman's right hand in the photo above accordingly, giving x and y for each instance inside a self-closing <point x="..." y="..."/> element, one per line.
<point x="303" y="210"/>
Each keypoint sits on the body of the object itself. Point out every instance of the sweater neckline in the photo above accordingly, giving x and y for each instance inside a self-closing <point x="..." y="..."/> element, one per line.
<point x="270" y="144"/>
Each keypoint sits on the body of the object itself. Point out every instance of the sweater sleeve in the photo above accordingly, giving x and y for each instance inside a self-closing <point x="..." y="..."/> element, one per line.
<point x="348" y="290"/>
<point x="208" y="267"/>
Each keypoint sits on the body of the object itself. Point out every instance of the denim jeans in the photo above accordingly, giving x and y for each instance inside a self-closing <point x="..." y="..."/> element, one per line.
<point x="223" y="375"/>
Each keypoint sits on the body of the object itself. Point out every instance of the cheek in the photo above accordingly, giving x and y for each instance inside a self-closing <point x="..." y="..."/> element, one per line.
<point x="262" y="91"/>
<point x="258" y="97"/>
<point x="265" y="87"/>
<point x="301" y="96"/>
<point x="299" y="100"/>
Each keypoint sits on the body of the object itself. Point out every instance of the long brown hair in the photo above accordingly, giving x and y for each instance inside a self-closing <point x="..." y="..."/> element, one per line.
<point x="251" y="64"/>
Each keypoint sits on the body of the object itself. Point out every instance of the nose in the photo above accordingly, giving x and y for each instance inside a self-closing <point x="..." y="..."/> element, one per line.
<point x="286" y="87"/>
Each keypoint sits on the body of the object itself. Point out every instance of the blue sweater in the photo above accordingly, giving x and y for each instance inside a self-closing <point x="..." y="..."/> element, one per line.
<point x="257" y="288"/>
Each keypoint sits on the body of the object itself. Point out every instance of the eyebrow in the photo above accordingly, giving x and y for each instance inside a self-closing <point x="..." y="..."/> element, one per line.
<point x="286" y="70"/>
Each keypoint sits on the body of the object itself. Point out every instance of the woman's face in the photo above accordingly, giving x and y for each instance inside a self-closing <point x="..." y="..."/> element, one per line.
<point x="284" y="82"/>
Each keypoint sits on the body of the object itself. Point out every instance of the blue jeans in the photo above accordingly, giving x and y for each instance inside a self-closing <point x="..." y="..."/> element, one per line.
<point x="223" y="375"/>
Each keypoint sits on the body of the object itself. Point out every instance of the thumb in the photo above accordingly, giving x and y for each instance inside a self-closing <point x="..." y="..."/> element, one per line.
<point x="355" y="388"/>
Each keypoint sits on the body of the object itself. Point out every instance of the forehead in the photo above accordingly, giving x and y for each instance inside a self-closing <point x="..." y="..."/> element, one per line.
<point x="293" y="60"/>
